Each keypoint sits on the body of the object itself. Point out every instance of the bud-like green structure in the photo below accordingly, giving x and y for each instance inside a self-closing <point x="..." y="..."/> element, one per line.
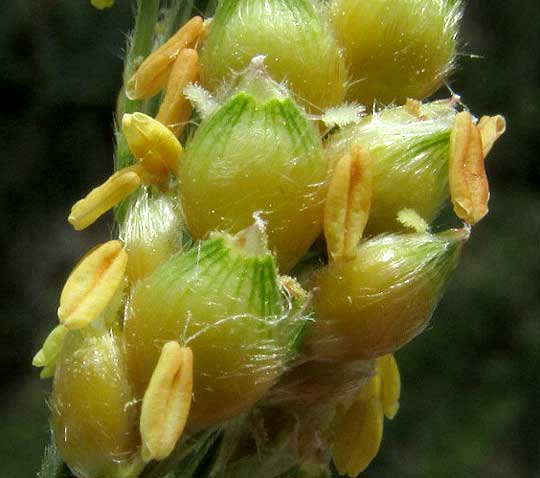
<point x="396" y="49"/>
<point x="409" y="158"/>
<point x="94" y="417"/>
<point x="151" y="232"/>
<point x="378" y="301"/>
<point x="299" y="46"/>
<point x="222" y="299"/>
<point x="256" y="154"/>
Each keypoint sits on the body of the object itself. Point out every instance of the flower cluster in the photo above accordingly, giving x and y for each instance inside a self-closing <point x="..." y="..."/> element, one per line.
<point x="276" y="192"/>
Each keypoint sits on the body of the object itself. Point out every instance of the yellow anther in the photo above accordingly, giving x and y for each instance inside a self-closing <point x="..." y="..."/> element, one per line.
<point x="158" y="151"/>
<point x="468" y="182"/>
<point x="101" y="4"/>
<point x="151" y="143"/>
<point x="120" y="185"/>
<point x="358" y="437"/>
<point x="293" y="287"/>
<point x="166" y="402"/>
<point x="414" y="108"/>
<point x="175" y="109"/>
<point x="47" y="356"/>
<point x="491" y="129"/>
<point x="48" y="371"/>
<point x="348" y="203"/>
<point x="205" y="30"/>
<point x="153" y="74"/>
<point x="412" y="220"/>
<point x="390" y="385"/>
<point x="370" y="389"/>
<point x="92" y="284"/>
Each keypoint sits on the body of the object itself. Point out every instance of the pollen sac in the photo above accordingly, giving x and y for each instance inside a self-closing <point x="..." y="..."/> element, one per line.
<point x="47" y="356"/>
<point x="166" y="402"/>
<point x="491" y="129"/>
<point x="222" y="299"/>
<point x="94" y="417"/>
<point x="256" y="154"/>
<point x="92" y="285"/>
<point x="359" y="436"/>
<point x="396" y="49"/>
<point x="152" y="143"/>
<point x="298" y="44"/>
<point x="469" y="188"/>
<point x="390" y="385"/>
<point x="359" y="430"/>
<point x="154" y="73"/>
<point x="378" y="301"/>
<point x="410" y="159"/>
<point x="175" y="109"/>
<point x="96" y="203"/>
<point x="151" y="232"/>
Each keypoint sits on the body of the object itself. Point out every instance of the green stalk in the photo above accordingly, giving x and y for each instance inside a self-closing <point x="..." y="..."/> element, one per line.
<point x="142" y="42"/>
<point x="141" y="46"/>
<point x="52" y="465"/>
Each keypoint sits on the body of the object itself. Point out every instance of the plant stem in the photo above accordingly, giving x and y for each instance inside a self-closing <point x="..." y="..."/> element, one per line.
<point x="141" y="45"/>
<point x="52" y="465"/>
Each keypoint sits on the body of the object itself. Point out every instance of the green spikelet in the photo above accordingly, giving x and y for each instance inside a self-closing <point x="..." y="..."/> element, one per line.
<point x="299" y="47"/>
<point x="410" y="161"/>
<point x="223" y="299"/>
<point x="94" y="417"/>
<point x="381" y="299"/>
<point x="256" y="154"/>
<point x="396" y="49"/>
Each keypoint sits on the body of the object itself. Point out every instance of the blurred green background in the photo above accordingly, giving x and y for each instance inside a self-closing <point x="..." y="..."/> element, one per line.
<point x="471" y="383"/>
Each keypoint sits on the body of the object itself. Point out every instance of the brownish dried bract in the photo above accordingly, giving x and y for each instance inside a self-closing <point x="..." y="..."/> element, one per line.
<point x="175" y="110"/>
<point x="469" y="188"/>
<point x="348" y="204"/>
<point x="166" y="402"/>
<point x="491" y="129"/>
<point x="153" y="74"/>
<point x="92" y="285"/>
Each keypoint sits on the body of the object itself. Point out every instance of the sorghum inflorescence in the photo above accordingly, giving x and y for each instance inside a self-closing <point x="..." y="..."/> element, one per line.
<point x="275" y="247"/>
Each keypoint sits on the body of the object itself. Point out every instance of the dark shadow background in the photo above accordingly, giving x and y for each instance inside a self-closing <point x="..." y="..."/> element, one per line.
<point x="471" y="393"/>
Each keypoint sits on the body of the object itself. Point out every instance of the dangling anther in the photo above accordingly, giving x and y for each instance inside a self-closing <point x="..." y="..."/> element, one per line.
<point x="390" y="385"/>
<point x="166" y="402"/>
<point x="157" y="151"/>
<point x="359" y="435"/>
<point x="152" y="76"/>
<point x="120" y="185"/>
<point x="175" y="109"/>
<point x="491" y="129"/>
<point x="152" y="144"/>
<point x="469" y="188"/>
<point x="348" y="203"/>
<point x="47" y="356"/>
<point x="92" y="284"/>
